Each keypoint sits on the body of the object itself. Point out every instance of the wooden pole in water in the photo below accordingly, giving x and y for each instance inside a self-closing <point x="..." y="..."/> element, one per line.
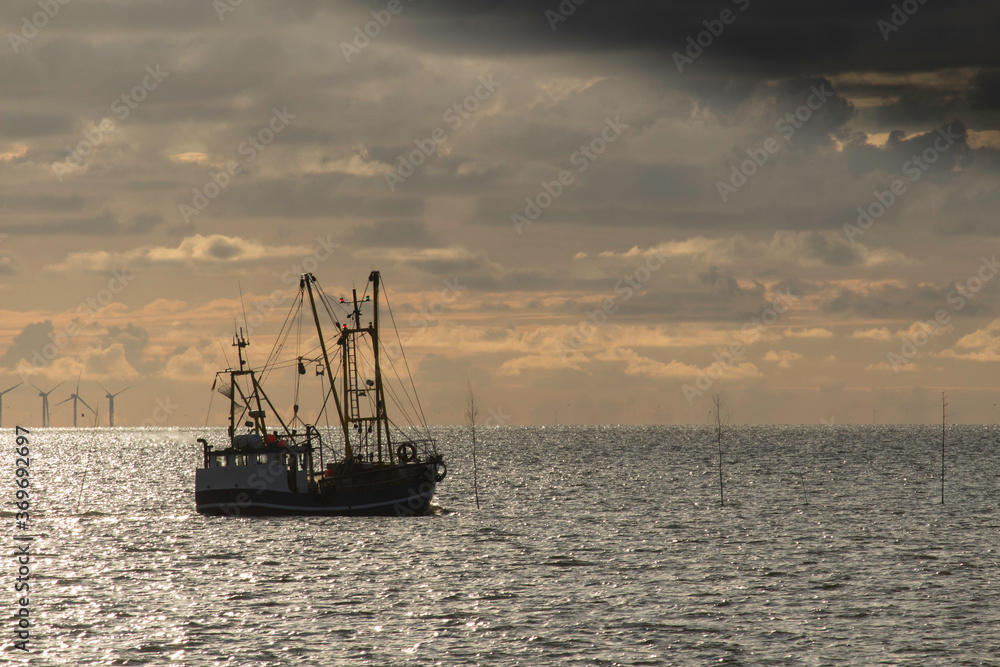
<point x="943" y="406"/>
<point x="471" y="411"/>
<point x="719" y="400"/>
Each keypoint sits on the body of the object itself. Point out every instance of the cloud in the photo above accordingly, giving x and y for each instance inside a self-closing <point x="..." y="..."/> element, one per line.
<point x="881" y="334"/>
<point x="109" y="363"/>
<point x="764" y="41"/>
<point x="438" y="261"/>
<point x="28" y="344"/>
<point x="886" y="366"/>
<point x="636" y="364"/>
<point x="947" y="148"/>
<point x="188" y="365"/>
<point x="804" y="249"/>
<point x="980" y="345"/>
<point x="653" y="190"/>
<point x="815" y="332"/>
<point x="201" y="252"/>
<point x="8" y="264"/>
<point x="532" y="362"/>
<point x="132" y="338"/>
<point x="784" y="358"/>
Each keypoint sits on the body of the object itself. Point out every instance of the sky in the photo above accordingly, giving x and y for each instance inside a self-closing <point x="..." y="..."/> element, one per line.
<point x="589" y="212"/>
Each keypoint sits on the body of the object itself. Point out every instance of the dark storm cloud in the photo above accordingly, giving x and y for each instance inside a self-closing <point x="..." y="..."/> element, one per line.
<point x="912" y="302"/>
<point x="764" y="42"/>
<point x="837" y="253"/>
<point x="813" y="98"/>
<point x="718" y="302"/>
<point x="942" y="150"/>
<point x="913" y="110"/>
<point x="26" y="344"/>
<point x="773" y="39"/>
<point x="986" y="94"/>
<point x="725" y="284"/>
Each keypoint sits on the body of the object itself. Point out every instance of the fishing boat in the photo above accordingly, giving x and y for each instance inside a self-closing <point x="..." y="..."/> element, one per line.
<point x="366" y="464"/>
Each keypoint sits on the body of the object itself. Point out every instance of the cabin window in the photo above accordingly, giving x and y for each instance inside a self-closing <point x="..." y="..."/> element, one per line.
<point x="262" y="458"/>
<point x="220" y="461"/>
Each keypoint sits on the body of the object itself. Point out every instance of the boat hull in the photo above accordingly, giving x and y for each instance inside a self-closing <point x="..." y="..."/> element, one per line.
<point x="408" y="496"/>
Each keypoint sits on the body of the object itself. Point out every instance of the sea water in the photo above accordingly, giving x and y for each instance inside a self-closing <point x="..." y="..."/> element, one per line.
<point x="591" y="546"/>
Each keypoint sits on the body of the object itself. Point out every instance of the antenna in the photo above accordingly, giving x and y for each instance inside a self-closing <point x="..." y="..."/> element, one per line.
<point x="240" y="341"/>
<point x="243" y="306"/>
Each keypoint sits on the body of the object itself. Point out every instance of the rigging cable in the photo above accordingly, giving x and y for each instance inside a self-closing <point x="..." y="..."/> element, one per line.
<point x="211" y="397"/>
<point x="423" y="419"/>
<point x="387" y="387"/>
<point x="279" y="341"/>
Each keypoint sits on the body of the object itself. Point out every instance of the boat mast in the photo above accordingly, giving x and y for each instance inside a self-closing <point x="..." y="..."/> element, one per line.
<point x="380" y="415"/>
<point x="351" y="398"/>
<point x="239" y="342"/>
<point x="306" y="281"/>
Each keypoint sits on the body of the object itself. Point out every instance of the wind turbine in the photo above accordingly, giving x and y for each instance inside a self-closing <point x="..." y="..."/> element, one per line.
<point x="1" y="399"/>
<point x="45" y="402"/>
<point x="76" y="397"/>
<point x="111" y="403"/>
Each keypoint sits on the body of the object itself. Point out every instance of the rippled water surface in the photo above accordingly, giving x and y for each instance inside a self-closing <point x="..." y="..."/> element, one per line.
<point x="593" y="546"/>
